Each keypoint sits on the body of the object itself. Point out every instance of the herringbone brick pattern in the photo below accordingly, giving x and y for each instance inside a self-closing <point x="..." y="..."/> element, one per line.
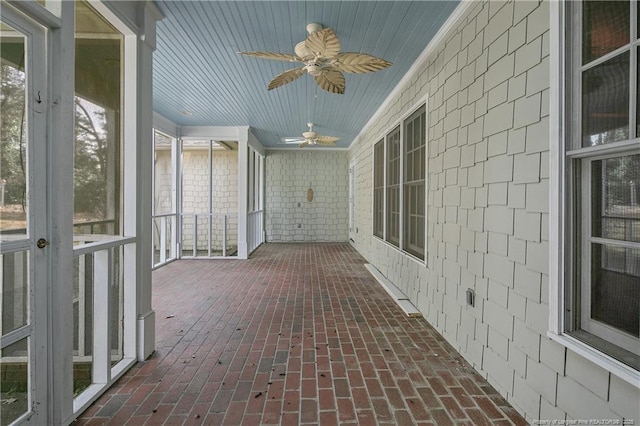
<point x="298" y="334"/>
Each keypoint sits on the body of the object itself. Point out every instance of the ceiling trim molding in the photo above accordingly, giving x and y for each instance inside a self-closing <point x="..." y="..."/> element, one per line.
<point x="223" y="133"/>
<point x="164" y="125"/>
<point x="308" y="149"/>
<point x="423" y="101"/>
<point x="254" y="143"/>
<point x="440" y="36"/>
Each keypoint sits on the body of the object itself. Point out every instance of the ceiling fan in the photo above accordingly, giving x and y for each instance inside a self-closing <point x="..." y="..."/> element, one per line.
<point x="311" y="138"/>
<point x="322" y="59"/>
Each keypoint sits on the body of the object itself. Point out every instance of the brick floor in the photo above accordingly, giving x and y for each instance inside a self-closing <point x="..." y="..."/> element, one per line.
<point x="298" y="334"/>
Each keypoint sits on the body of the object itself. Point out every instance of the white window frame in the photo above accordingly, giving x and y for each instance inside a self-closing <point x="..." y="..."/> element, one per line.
<point x="597" y="328"/>
<point x="560" y="271"/>
<point x="406" y="215"/>
<point x="391" y="239"/>
<point x="382" y="194"/>
<point x="401" y="123"/>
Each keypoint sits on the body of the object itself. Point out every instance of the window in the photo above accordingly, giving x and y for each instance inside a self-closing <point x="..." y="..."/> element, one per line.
<point x="602" y="179"/>
<point x="378" y="189"/>
<point x="399" y="185"/>
<point x="414" y="176"/>
<point x="97" y="170"/>
<point x="393" y="187"/>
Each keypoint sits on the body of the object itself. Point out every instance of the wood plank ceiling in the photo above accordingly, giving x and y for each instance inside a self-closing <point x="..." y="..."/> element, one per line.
<point x="201" y="80"/>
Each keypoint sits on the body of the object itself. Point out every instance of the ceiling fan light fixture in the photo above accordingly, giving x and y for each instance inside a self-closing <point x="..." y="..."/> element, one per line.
<point x="313" y="27"/>
<point x="302" y="50"/>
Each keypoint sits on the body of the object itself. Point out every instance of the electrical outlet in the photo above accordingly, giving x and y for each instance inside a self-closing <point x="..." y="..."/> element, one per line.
<point x="471" y="297"/>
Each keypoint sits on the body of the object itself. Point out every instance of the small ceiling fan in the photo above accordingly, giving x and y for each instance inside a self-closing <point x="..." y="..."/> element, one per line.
<point x="311" y="138"/>
<point x="322" y="59"/>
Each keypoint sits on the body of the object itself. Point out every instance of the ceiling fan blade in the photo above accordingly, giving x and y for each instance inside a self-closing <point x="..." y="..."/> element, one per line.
<point x="359" y="63"/>
<point x="303" y="144"/>
<point x="327" y="140"/>
<point x="292" y="140"/>
<point x="331" y="80"/>
<point x="286" y="77"/>
<point x="323" y="43"/>
<point x="273" y="55"/>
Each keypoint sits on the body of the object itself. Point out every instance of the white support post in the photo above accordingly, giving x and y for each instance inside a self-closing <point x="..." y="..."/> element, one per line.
<point x="243" y="162"/>
<point x="61" y="63"/>
<point x="139" y="49"/>
<point x="210" y="215"/>
<point x="251" y="182"/>
<point x="175" y="185"/>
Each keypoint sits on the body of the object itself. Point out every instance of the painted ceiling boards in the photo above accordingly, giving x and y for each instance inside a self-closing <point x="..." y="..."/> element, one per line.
<point x="201" y="80"/>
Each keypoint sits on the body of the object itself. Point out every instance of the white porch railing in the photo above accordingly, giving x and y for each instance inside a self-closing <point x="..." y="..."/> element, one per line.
<point x="165" y="238"/>
<point x="207" y="235"/>
<point x="255" y="230"/>
<point x="104" y="313"/>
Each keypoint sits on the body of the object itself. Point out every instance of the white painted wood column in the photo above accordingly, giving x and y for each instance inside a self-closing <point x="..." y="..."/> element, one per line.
<point x="60" y="179"/>
<point x="243" y="175"/>
<point x="148" y="15"/>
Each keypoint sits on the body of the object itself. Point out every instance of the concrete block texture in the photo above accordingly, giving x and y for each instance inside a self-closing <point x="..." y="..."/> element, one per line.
<point x="488" y="210"/>
<point x="292" y="174"/>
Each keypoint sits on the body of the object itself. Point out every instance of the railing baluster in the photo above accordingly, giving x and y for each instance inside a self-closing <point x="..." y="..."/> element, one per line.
<point x="102" y="278"/>
<point x="224" y="236"/>
<point x="209" y="231"/>
<point x="173" y="241"/>
<point x="163" y="239"/>
<point x="81" y="305"/>
<point x="195" y="235"/>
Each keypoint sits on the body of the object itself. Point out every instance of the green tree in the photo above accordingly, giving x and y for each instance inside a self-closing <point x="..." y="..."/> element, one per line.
<point x="90" y="160"/>
<point x="12" y="128"/>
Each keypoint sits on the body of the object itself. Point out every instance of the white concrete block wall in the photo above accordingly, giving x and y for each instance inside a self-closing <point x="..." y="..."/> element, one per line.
<point x="289" y="216"/>
<point x="487" y="85"/>
<point x="163" y="182"/>
<point x="195" y="187"/>
<point x="162" y="197"/>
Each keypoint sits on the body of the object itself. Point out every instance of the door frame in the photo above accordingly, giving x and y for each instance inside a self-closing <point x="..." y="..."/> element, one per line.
<point x="36" y="114"/>
<point x="353" y="230"/>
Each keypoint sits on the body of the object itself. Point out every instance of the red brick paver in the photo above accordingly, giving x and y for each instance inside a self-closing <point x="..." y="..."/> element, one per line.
<point x="298" y="334"/>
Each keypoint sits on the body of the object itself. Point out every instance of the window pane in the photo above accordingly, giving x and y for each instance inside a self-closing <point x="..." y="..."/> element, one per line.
<point x="637" y="92"/>
<point x="605" y="102"/>
<point x="414" y="184"/>
<point x="615" y="287"/>
<point x="97" y="171"/>
<point x="393" y="187"/>
<point x="605" y="28"/>
<point x="164" y="177"/>
<point x="15" y="381"/>
<point x="15" y="290"/>
<point x="615" y="195"/>
<point x="378" y="189"/>
<point x="13" y="135"/>
<point x="83" y="271"/>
